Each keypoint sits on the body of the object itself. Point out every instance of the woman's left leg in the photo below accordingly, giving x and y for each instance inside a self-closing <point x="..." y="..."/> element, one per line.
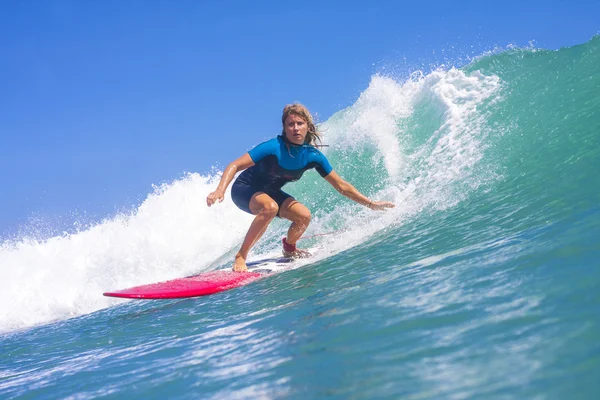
<point x="300" y="216"/>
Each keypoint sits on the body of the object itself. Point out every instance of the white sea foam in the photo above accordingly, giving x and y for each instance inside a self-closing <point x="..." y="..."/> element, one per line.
<point x="441" y="170"/>
<point x="173" y="233"/>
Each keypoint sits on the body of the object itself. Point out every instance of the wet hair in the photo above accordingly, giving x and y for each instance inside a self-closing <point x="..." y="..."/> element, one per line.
<point x="313" y="136"/>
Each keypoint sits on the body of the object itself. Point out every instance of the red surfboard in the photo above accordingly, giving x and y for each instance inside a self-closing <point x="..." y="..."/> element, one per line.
<point x="202" y="284"/>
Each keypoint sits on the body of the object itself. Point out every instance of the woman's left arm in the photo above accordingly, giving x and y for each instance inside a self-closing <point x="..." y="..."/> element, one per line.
<point x="352" y="193"/>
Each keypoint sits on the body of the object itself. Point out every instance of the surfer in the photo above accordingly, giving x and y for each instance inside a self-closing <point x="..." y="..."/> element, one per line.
<point x="268" y="167"/>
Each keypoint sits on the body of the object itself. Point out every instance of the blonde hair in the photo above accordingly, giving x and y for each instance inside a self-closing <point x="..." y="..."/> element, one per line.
<point x="312" y="135"/>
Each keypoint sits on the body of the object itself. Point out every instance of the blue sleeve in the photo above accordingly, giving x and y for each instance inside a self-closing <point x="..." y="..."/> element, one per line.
<point x="323" y="167"/>
<point x="264" y="149"/>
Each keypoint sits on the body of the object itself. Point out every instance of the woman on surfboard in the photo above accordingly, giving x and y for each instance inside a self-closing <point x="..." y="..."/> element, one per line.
<point x="268" y="167"/>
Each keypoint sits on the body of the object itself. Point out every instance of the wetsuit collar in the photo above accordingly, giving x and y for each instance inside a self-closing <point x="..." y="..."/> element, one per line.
<point x="286" y="141"/>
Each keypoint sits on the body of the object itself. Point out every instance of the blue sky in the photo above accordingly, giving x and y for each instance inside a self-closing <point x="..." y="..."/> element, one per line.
<point x="101" y="99"/>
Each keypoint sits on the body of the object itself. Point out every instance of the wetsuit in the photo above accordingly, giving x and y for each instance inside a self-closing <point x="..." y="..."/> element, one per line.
<point x="277" y="162"/>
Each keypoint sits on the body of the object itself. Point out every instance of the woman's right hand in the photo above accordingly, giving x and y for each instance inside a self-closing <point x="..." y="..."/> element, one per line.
<point x="215" y="196"/>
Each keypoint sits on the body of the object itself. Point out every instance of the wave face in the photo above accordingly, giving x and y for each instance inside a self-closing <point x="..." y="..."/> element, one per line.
<point x="484" y="279"/>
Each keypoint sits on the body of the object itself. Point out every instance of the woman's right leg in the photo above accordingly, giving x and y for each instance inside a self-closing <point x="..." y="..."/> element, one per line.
<point x="265" y="209"/>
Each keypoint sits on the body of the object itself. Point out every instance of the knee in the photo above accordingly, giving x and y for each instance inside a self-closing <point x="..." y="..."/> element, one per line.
<point x="304" y="218"/>
<point x="270" y="209"/>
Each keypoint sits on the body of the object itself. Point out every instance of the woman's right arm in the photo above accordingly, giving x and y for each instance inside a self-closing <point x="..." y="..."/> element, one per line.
<point x="236" y="166"/>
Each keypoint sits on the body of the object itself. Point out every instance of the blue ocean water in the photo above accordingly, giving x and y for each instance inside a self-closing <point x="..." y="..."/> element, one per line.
<point x="483" y="282"/>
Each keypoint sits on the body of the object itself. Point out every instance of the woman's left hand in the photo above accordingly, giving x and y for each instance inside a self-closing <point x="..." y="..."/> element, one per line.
<point x="380" y="205"/>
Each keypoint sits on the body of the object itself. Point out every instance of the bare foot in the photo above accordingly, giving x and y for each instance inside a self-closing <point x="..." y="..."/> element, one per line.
<point x="298" y="253"/>
<point x="290" y="250"/>
<point x="239" y="265"/>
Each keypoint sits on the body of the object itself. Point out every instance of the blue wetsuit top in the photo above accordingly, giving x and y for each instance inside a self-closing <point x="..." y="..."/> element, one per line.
<point x="278" y="162"/>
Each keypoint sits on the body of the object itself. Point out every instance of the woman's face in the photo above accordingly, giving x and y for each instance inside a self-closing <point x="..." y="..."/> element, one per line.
<point x="295" y="129"/>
